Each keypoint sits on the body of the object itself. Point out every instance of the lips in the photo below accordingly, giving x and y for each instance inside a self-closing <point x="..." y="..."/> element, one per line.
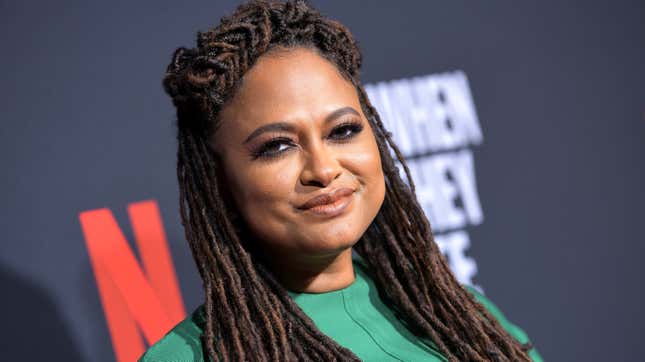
<point x="327" y="198"/>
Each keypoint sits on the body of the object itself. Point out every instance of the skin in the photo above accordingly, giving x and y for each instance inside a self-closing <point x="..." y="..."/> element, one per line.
<point x="329" y="144"/>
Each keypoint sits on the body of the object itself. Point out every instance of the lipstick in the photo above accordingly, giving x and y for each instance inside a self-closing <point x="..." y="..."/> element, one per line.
<point x="329" y="204"/>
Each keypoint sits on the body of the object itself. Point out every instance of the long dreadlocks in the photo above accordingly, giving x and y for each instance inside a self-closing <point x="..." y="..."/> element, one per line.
<point x="248" y="313"/>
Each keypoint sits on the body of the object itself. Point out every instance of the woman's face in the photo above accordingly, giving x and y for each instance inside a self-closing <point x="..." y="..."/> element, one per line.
<point x="294" y="134"/>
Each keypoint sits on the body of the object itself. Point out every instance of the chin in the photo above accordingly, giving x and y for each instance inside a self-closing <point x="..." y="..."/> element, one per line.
<point x="329" y="243"/>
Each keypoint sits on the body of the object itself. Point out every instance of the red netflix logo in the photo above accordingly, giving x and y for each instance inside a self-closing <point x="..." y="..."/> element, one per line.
<point x="133" y="299"/>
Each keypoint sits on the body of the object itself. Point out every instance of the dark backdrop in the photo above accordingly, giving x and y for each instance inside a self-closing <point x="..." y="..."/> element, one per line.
<point x="560" y="94"/>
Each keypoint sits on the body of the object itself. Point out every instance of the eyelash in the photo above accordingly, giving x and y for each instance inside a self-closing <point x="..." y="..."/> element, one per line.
<point x="262" y="152"/>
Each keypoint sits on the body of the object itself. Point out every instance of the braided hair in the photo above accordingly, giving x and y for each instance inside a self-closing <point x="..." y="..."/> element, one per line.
<point x="248" y="314"/>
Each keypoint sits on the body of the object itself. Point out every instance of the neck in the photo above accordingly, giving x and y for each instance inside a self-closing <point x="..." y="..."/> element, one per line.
<point x="314" y="273"/>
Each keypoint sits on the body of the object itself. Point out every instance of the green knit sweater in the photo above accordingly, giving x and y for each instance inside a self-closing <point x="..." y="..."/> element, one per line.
<point x="355" y="317"/>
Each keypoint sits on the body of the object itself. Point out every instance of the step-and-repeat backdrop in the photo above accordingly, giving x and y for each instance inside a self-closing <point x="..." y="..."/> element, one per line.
<point x="523" y="126"/>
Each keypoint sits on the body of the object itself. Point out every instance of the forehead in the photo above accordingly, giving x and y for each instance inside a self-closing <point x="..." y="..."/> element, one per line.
<point x="287" y="85"/>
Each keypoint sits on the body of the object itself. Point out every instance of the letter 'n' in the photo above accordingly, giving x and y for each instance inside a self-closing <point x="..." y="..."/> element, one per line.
<point x="133" y="299"/>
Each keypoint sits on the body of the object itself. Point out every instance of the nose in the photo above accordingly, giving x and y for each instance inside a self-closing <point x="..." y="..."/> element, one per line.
<point x="321" y="166"/>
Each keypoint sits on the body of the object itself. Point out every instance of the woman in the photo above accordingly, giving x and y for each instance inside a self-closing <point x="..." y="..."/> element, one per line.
<point x="284" y="171"/>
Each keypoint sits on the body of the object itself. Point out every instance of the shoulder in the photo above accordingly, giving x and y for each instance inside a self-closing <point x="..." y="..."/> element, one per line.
<point x="512" y="329"/>
<point x="181" y="344"/>
<point x="515" y="331"/>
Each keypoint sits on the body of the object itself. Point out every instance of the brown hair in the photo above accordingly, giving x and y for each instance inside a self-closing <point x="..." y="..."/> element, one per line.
<point x="249" y="314"/>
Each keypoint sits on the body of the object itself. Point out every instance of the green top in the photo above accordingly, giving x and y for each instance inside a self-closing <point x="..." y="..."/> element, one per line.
<point x="355" y="317"/>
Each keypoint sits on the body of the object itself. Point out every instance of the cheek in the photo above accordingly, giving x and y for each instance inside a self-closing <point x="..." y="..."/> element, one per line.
<point x="262" y="194"/>
<point x="365" y="163"/>
<point x="263" y="188"/>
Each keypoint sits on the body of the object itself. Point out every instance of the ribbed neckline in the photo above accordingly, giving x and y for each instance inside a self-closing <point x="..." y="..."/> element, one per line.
<point x="359" y="273"/>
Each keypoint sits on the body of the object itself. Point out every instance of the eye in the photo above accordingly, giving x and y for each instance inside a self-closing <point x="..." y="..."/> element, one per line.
<point x="273" y="148"/>
<point x="346" y="130"/>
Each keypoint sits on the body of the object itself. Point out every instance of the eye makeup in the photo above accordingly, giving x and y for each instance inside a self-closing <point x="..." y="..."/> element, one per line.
<point x="340" y="132"/>
<point x="272" y="148"/>
<point x="281" y="144"/>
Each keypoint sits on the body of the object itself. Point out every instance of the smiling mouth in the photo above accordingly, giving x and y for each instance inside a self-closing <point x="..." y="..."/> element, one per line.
<point x="331" y="204"/>
<point x="333" y="209"/>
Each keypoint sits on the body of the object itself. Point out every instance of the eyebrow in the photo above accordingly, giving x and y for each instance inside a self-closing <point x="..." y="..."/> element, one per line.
<point x="289" y="127"/>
